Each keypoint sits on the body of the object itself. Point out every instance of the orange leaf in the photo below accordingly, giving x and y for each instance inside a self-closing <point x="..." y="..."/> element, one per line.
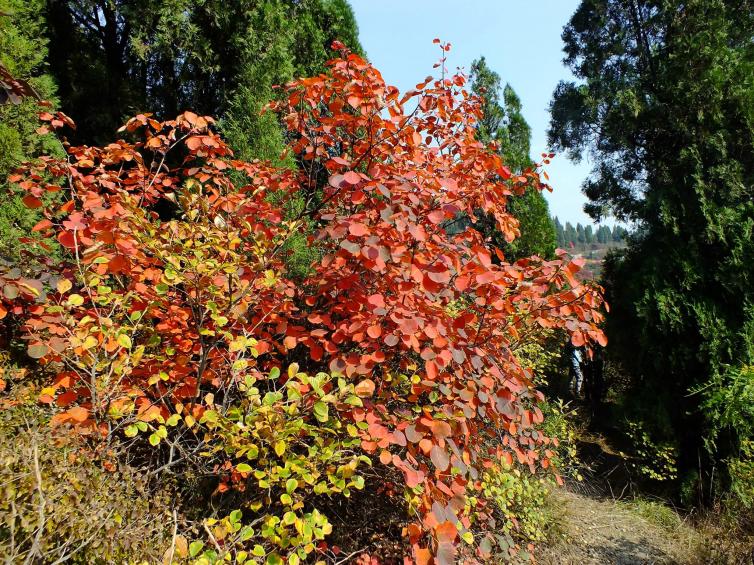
<point x="446" y="532"/>
<point x="78" y="414"/>
<point x="439" y="458"/>
<point x="352" y="177"/>
<point x="365" y="388"/>
<point x="358" y="230"/>
<point x="31" y="201"/>
<point x="42" y="225"/>
<point x="194" y="142"/>
<point x="422" y="556"/>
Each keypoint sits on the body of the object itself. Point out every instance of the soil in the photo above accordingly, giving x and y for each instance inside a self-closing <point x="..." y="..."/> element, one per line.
<point x="603" y="531"/>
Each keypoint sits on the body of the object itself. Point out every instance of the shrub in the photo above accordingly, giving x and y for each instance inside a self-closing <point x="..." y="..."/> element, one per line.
<point x="173" y="324"/>
<point x="649" y="458"/>
<point x="58" y="502"/>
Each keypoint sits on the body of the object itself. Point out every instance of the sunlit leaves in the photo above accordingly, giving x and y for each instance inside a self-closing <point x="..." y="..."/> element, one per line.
<point x="186" y="328"/>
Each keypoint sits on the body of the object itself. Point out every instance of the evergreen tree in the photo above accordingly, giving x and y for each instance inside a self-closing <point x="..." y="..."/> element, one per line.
<point x="559" y="232"/>
<point x="570" y="234"/>
<point x="588" y="235"/>
<point x="23" y="49"/>
<point x="603" y="234"/>
<point x="580" y="237"/>
<point x="665" y="104"/>
<point x="504" y="123"/>
<point x="115" y="59"/>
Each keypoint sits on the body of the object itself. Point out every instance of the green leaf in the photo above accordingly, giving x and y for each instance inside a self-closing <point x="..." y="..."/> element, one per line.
<point x="154" y="439"/>
<point x="274" y="559"/>
<point x="131" y="430"/>
<point x="321" y="411"/>
<point x="258" y="551"/>
<point x="124" y="341"/>
<point x="243" y="468"/>
<point x="195" y="547"/>
<point x="209" y="416"/>
<point x="75" y="300"/>
<point x="246" y="533"/>
<point x="291" y="485"/>
<point x="37" y="351"/>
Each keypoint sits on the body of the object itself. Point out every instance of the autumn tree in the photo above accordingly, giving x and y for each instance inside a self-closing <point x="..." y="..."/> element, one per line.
<point x="182" y="332"/>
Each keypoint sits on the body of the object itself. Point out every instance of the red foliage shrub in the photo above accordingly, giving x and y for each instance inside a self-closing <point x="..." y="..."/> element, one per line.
<point x="176" y="264"/>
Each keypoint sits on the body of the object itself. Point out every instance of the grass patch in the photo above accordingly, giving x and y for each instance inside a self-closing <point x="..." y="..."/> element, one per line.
<point x="655" y="512"/>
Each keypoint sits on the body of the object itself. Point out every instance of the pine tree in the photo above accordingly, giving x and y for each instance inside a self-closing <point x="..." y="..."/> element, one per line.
<point x="23" y="49"/>
<point x="504" y="123"/>
<point x="664" y="103"/>
<point x="588" y="234"/>
<point x="115" y="59"/>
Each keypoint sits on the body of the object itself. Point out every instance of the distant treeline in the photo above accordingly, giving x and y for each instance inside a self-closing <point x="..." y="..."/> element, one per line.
<point x="570" y="236"/>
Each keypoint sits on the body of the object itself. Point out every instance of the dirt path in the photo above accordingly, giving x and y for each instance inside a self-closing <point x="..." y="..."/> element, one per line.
<point x="597" y="532"/>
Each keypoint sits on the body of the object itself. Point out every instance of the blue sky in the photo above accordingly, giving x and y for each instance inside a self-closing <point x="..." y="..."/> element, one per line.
<point x="519" y="38"/>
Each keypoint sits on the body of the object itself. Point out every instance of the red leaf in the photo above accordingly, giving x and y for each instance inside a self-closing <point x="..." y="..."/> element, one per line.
<point x="357" y="229"/>
<point x="439" y="458"/>
<point x="352" y="177"/>
<point x="66" y="239"/>
<point x="31" y="201"/>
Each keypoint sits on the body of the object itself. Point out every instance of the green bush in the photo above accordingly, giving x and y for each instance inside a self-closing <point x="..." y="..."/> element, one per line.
<point x="522" y="499"/>
<point x="741" y="471"/>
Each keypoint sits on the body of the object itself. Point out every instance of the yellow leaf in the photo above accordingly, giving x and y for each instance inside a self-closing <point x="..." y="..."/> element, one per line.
<point x="89" y="342"/>
<point x="280" y="448"/>
<point x="75" y="300"/>
<point x="181" y="546"/>
<point x="124" y="341"/>
<point x="64" y="285"/>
